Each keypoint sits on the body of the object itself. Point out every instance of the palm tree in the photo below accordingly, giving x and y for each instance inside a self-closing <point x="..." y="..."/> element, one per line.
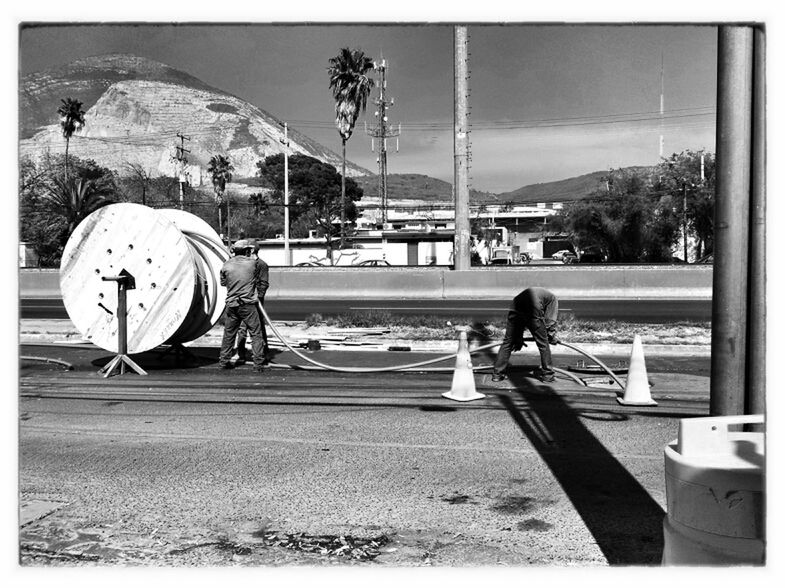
<point x="75" y="199"/>
<point x="71" y="120"/>
<point x="351" y="86"/>
<point x="221" y="169"/>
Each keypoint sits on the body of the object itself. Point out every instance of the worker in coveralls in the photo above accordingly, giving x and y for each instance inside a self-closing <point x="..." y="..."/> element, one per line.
<point x="246" y="282"/>
<point x="536" y="309"/>
<point x="242" y="333"/>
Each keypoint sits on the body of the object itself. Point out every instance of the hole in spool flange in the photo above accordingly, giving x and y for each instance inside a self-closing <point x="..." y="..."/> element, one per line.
<point x="130" y="246"/>
<point x="109" y="252"/>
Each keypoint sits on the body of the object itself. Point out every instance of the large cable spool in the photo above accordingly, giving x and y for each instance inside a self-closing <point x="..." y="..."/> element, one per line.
<point x="175" y="259"/>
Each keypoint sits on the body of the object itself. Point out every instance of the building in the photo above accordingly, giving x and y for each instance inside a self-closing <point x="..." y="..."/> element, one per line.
<point x="416" y="235"/>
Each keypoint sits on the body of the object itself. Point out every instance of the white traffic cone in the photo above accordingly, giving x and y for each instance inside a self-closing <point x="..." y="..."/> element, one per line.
<point x="637" y="391"/>
<point x="463" y="388"/>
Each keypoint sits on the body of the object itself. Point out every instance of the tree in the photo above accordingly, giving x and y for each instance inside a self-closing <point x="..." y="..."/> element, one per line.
<point x="75" y="198"/>
<point x="71" y="120"/>
<point x="351" y="86"/>
<point x="139" y="178"/>
<point x="627" y="220"/>
<point x="50" y="206"/>
<point x="693" y="194"/>
<point x="220" y="168"/>
<point x="318" y="195"/>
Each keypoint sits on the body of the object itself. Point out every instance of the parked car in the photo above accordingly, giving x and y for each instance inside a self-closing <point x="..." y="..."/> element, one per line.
<point x="374" y="263"/>
<point x="309" y="264"/>
<point x="592" y="255"/>
<point x="564" y="255"/>
<point x="500" y="257"/>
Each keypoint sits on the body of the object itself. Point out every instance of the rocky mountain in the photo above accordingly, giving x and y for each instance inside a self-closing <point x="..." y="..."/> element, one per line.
<point x="136" y="108"/>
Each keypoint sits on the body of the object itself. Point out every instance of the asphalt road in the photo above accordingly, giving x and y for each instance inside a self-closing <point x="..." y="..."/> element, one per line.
<point x="646" y="311"/>
<point x="199" y="466"/>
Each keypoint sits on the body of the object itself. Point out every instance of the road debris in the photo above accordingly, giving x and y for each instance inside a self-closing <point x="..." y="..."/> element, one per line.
<point x="331" y="545"/>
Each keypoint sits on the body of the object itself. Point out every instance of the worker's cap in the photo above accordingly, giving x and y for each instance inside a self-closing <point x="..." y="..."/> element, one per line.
<point x="242" y="245"/>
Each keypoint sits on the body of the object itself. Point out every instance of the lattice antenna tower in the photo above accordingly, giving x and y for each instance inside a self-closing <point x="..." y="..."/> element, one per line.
<point x="381" y="132"/>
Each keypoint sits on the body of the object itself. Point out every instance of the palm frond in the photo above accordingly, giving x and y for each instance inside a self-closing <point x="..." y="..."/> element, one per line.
<point x="350" y="87"/>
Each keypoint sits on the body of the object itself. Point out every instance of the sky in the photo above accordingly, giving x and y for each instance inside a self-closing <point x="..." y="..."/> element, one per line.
<point x="547" y="102"/>
<point x="516" y="76"/>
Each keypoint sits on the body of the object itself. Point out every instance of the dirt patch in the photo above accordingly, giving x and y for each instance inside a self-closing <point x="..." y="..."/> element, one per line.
<point x="514" y="505"/>
<point x="534" y="525"/>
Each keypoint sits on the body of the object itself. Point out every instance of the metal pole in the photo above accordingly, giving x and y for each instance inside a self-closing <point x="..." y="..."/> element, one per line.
<point x="287" y="255"/>
<point x="684" y="219"/>
<point x="731" y="220"/>
<point x="122" y="326"/>
<point x="756" y="357"/>
<point x="461" y="148"/>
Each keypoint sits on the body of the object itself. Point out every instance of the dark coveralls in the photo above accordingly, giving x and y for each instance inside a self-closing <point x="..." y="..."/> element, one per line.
<point x="245" y="282"/>
<point x="536" y="309"/>
<point x="242" y="332"/>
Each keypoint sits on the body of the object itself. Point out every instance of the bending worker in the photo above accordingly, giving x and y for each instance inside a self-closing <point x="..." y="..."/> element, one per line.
<point x="245" y="283"/>
<point x="536" y="309"/>
<point x="242" y="333"/>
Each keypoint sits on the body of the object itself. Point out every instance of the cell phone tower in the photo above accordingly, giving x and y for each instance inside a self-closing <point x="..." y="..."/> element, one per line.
<point x="381" y="132"/>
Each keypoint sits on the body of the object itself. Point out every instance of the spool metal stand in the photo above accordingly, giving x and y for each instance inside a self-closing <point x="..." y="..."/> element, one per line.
<point x="125" y="282"/>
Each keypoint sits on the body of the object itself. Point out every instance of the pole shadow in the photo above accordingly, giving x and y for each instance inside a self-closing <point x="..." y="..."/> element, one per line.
<point x="625" y="521"/>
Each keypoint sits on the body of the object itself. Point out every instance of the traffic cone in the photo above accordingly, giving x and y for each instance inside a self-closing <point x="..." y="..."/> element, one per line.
<point x="463" y="388"/>
<point x="637" y="391"/>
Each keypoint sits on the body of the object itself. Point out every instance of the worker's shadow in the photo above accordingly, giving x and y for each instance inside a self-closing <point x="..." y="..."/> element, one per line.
<point x="623" y="518"/>
<point x="169" y="358"/>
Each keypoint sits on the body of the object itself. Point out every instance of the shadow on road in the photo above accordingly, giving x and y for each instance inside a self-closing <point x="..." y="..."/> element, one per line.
<point x="621" y="515"/>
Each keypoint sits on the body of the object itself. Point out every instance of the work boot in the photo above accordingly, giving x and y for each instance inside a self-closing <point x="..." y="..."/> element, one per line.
<point x="547" y="379"/>
<point x="498" y="377"/>
<point x="226" y="366"/>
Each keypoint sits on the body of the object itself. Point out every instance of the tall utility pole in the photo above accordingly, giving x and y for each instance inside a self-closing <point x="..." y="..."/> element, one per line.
<point x="287" y="255"/>
<point x="684" y="218"/>
<point x="461" y="256"/>
<point x="382" y="132"/>
<point x="662" y="103"/>
<point x="729" y="345"/>
<point x="182" y="160"/>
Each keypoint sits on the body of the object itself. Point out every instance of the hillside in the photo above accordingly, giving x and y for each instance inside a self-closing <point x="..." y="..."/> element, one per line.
<point x="418" y="189"/>
<point x="560" y="190"/>
<point x="135" y="109"/>
<point x="413" y="189"/>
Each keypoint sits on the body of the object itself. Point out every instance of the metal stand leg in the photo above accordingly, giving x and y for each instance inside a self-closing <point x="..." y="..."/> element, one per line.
<point x="121" y="361"/>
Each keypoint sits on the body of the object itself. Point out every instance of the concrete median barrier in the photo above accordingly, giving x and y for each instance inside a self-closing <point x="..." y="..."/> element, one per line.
<point x="596" y="282"/>
<point x="340" y="282"/>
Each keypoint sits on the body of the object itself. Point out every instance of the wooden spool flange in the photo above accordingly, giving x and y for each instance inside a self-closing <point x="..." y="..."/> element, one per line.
<point x="175" y="259"/>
